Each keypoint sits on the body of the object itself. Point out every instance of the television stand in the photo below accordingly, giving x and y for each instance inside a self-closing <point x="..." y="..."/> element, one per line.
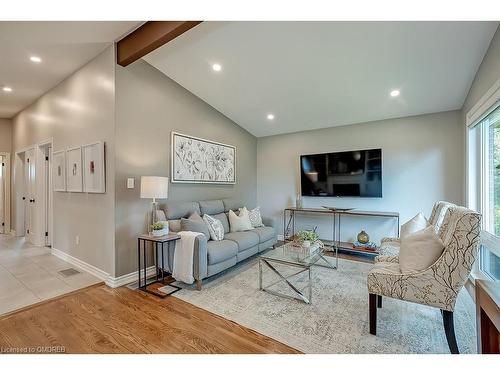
<point x="336" y="214"/>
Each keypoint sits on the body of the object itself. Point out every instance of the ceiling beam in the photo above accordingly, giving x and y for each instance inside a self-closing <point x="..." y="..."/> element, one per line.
<point x="148" y="37"/>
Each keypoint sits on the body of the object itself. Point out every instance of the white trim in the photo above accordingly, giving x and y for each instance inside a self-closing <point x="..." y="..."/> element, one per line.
<point x="97" y="272"/>
<point x="115" y="282"/>
<point x="484" y="105"/>
<point x="12" y="232"/>
<point x="280" y="237"/>
<point x="111" y="281"/>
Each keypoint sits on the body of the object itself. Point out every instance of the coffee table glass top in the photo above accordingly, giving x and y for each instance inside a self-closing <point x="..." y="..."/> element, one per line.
<point x="295" y="255"/>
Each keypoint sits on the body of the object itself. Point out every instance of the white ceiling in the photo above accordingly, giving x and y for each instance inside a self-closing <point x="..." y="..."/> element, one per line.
<point x="64" y="47"/>
<point x="320" y="74"/>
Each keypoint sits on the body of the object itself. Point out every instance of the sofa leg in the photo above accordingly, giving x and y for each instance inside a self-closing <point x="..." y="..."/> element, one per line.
<point x="372" y="306"/>
<point x="379" y="302"/>
<point x="449" y="329"/>
<point x="198" y="284"/>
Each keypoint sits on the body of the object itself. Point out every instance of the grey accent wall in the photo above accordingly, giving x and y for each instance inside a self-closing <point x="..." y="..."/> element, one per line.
<point x="422" y="163"/>
<point x="5" y="135"/>
<point x="80" y="110"/>
<point x="149" y="106"/>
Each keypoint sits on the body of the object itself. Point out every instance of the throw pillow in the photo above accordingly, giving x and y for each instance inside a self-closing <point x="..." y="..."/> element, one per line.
<point x="215" y="227"/>
<point x="420" y="250"/>
<point x="255" y="217"/>
<point x="195" y="224"/>
<point x="416" y="223"/>
<point x="241" y="222"/>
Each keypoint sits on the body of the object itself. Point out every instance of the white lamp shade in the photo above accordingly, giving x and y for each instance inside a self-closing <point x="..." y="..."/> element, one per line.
<point x="154" y="187"/>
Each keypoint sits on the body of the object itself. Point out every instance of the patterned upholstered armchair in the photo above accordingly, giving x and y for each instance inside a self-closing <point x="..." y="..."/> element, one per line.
<point x="438" y="285"/>
<point x="389" y="246"/>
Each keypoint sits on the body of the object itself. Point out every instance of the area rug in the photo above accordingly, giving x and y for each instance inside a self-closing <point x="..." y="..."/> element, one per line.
<point x="337" y="319"/>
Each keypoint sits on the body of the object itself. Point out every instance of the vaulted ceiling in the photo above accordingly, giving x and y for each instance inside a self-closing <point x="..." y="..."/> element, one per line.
<point x="311" y="75"/>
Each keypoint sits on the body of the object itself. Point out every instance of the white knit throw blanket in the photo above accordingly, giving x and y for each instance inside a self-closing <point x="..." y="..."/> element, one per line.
<point x="183" y="257"/>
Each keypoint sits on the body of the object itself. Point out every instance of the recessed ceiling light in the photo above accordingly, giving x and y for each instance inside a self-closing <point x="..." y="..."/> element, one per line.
<point x="7" y="89"/>
<point x="395" y="93"/>
<point x="270" y="116"/>
<point x="217" y="67"/>
<point x="35" y="59"/>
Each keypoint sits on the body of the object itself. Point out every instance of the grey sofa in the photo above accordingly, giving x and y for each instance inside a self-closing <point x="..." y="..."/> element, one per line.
<point x="212" y="257"/>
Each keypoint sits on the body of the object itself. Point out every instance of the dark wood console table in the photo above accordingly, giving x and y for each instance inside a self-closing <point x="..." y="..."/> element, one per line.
<point x="336" y="215"/>
<point x="488" y="316"/>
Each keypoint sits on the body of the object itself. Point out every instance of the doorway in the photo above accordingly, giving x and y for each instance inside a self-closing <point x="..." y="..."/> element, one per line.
<point x="4" y="193"/>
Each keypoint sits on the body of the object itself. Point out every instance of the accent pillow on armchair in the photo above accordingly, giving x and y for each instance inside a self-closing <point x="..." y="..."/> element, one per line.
<point x="420" y="250"/>
<point x="416" y="223"/>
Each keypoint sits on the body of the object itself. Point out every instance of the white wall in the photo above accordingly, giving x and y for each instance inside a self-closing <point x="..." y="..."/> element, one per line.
<point x="79" y="110"/>
<point x="5" y="135"/>
<point x="422" y="163"/>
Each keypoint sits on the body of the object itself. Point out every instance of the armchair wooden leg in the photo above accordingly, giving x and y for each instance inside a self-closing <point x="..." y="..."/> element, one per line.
<point x="449" y="329"/>
<point x="379" y="302"/>
<point x="198" y="284"/>
<point x="372" y="306"/>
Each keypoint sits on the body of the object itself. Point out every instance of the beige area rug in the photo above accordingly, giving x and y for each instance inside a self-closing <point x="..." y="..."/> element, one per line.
<point x="337" y="320"/>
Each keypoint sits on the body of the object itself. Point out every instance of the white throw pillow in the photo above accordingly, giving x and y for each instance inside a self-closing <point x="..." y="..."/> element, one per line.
<point x="416" y="223"/>
<point x="419" y="250"/>
<point x="241" y="222"/>
<point x="215" y="227"/>
<point x="255" y="218"/>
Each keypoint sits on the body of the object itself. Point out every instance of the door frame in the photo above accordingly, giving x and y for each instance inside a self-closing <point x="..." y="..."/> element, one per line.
<point x="45" y="208"/>
<point x="7" y="219"/>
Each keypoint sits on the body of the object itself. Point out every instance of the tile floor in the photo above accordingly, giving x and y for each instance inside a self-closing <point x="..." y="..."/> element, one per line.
<point x="29" y="274"/>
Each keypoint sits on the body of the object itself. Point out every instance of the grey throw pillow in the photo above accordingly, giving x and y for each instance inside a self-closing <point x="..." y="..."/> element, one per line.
<point x="195" y="224"/>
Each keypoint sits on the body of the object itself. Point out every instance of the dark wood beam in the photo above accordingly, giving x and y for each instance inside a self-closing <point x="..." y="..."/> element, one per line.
<point x="149" y="37"/>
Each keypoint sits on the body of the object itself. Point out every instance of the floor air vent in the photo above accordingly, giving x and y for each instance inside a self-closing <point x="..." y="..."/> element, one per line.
<point x="69" y="272"/>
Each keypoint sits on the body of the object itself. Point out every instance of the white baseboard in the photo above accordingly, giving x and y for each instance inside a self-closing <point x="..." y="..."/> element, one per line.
<point x="280" y="237"/>
<point x="12" y="232"/>
<point x="115" y="282"/>
<point x="97" y="272"/>
<point x="111" y="281"/>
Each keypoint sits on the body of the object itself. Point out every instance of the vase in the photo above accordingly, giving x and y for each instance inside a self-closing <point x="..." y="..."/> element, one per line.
<point x="363" y="237"/>
<point x="159" y="232"/>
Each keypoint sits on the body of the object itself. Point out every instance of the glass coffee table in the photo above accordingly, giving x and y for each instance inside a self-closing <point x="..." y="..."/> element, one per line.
<point x="295" y="257"/>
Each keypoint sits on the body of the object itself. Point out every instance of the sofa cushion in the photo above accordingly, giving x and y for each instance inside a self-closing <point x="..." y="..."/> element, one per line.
<point x="241" y="222"/>
<point x="211" y="207"/>
<point x="245" y="240"/>
<point x="177" y="210"/>
<point x="219" y="251"/>
<point x="223" y="219"/>
<point x="232" y="204"/>
<point x="214" y="227"/>
<point x="255" y="217"/>
<point x="195" y="224"/>
<point x="264" y="233"/>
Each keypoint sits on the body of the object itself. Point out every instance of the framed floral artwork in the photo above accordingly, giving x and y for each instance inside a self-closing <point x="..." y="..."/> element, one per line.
<point x="74" y="170"/>
<point x="59" y="170"/>
<point x="197" y="160"/>
<point x="93" y="168"/>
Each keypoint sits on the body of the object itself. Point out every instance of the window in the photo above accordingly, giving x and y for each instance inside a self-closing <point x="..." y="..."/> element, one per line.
<point x="484" y="189"/>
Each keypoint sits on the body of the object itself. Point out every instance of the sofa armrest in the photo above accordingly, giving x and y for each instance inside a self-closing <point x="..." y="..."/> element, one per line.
<point x="200" y="260"/>
<point x="268" y="221"/>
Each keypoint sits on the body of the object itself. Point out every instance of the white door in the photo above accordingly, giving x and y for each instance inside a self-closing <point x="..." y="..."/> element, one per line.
<point x="30" y="195"/>
<point x="2" y="194"/>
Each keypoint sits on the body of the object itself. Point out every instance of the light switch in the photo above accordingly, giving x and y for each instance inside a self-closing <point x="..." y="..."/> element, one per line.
<point x="130" y="183"/>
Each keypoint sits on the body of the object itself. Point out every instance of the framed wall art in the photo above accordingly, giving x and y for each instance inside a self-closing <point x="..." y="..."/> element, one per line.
<point x="197" y="160"/>
<point x="93" y="168"/>
<point x="74" y="170"/>
<point x="59" y="171"/>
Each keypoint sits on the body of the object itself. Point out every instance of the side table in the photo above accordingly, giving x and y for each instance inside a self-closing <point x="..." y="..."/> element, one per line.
<point x="157" y="243"/>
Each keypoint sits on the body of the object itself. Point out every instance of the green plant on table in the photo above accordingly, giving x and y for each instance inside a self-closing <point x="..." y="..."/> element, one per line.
<point x="158" y="226"/>
<point x="307" y="235"/>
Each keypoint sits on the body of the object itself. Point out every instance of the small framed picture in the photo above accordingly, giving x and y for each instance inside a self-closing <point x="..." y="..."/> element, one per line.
<point x="94" y="176"/>
<point x="59" y="170"/>
<point x="74" y="170"/>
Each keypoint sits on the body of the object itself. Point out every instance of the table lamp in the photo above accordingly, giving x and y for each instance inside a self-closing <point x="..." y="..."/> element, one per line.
<point x="154" y="187"/>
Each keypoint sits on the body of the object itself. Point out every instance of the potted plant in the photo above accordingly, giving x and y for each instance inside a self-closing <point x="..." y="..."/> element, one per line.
<point x="307" y="237"/>
<point x="159" y="229"/>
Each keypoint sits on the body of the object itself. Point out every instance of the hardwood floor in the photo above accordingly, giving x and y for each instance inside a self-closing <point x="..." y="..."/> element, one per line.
<point x="105" y="320"/>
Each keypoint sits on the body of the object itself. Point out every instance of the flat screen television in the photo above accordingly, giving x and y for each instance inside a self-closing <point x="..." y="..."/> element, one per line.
<point x="342" y="174"/>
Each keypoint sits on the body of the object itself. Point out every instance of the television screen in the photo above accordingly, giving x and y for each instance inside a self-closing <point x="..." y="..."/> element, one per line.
<point x="342" y="174"/>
